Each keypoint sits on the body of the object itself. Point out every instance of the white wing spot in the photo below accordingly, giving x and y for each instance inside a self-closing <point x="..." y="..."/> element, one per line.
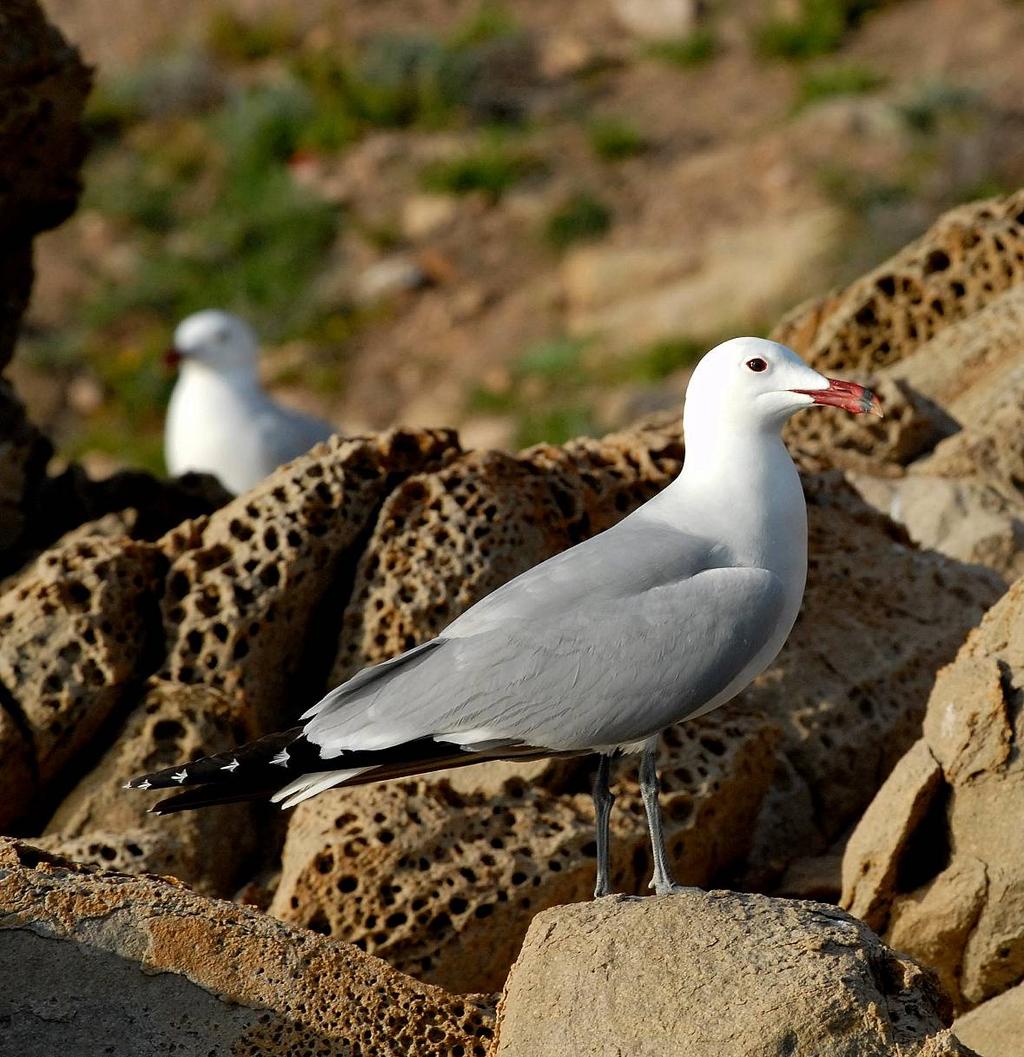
<point x="282" y="758"/>
<point x="230" y="766"/>
<point x="181" y="775"/>
<point x="144" y="784"/>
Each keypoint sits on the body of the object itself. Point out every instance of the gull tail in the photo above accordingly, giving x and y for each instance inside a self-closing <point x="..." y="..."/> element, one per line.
<point x="286" y="769"/>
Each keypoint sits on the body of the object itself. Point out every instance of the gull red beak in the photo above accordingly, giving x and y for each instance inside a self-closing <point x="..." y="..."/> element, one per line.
<point x="171" y="357"/>
<point x="848" y="395"/>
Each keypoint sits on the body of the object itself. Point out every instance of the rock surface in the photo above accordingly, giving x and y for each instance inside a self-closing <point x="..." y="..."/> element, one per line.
<point x="94" y="962"/>
<point x="969" y="256"/>
<point x="715" y="975"/>
<point x="936" y="864"/>
<point x="443" y="883"/>
<point x="995" y="1028"/>
<point x="43" y="86"/>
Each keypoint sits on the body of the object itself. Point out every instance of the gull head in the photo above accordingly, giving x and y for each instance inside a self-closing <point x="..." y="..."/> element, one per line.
<point x="217" y="340"/>
<point x="752" y="384"/>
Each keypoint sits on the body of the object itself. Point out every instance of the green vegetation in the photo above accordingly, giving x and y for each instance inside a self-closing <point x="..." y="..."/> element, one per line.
<point x="818" y="29"/>
<point x="492" y="169"/>
<point x="860" y="191"/>
<point x="657" y="361"/>
<point x="559" y="359"/>
<point x="251" y="240"/>
<point x="828" y="81"/>
<point x="613" y="139"/>
<point x="581" y="218"/>
<point x="236" y="39"/>
<point x="554" y="383"/>
<point x="694" y="49"/>
<point x="555" y="424"/>
<point x="934" y="101"/>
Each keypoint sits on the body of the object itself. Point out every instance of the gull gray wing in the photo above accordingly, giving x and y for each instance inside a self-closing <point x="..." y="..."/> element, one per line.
<point x="286" y="434"/>
<point x="632" y="556"/>
<point x="682" y="648"/>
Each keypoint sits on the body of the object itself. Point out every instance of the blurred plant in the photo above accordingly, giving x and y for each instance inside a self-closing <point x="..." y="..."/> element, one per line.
<point x="555" y="424"/>
<point x="933" y="101"/>
<point x="694" y="49"/>
<point x="829" y="81"/>
<point x="657" y="361"/>
<point x="492" y="168"/>
<point x="251" y="243"/>
<point x="860" y="191"/>
<point x="181" y="83"/>
<point x="613" y="138"/>
<point x="818" y="28"/>
<point x="236" y="39"/>
<point x="557" y="359"/>
<point x="581" y="218"/>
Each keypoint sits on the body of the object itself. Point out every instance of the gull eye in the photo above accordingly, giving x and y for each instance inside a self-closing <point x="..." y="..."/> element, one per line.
<point x="757" y="365"/>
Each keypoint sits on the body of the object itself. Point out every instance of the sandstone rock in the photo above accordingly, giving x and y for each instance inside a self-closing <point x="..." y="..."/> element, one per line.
<point x="995" y="1028"/>
<point x="715" y="974"/>
<point x="95" y="962"/>
<point x="444" y="883"/>
<point x="968" y="365"/>
<point x="75" y="635"/>
<point x="657" y="19"/>
<point x="43" y="86"/>
<point x="99" y="822"/>
<point x="851" y="684"/>
<point x="912" y="425"/>
<point x="936" y="862"/>
<point x="792" y="764"/>
<point x="970" y="520"/>
<point x="444" y="540"/>
<point x="961" y="264"/>
<point x="739" y="278"/>
<point x="241" y="607"/>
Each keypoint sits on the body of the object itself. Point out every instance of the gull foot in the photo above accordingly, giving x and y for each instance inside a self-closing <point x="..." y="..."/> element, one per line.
<point x="669" y="889"/>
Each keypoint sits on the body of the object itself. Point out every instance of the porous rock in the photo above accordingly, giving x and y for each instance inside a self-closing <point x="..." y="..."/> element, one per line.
<point x="444" y="884"/>
<point x="93" y="962"/>
<point x="966" y="499"/>
<point x="962" y="263"/>
<point x="912" y="425"/>
<point x="101" y="823"/>
<point x="241" y="609"/>
<point x="445" y="539"/>
<point x="936" y="863"/>
<point x="791" y="764"/>
<point x="75" y="635"/>
<point x="716" y="974"/>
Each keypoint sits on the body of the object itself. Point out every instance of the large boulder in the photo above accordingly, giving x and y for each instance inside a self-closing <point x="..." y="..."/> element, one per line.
<point x="716" y="975"/>
<point x="936" y="864"/>
<point x="963" y="262"/>
<point x="43" y="86"/>
<point x="443" y="877"/>
<point x="77" y="633"/>
<point x="98" y="822"/>
<point x="94" y="962"/>
<point x="995" y="1028"/>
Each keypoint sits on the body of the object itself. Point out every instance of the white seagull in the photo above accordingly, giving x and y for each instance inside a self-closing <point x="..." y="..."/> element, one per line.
<point x="663" y="617"/>
<point x="220" y="419"/>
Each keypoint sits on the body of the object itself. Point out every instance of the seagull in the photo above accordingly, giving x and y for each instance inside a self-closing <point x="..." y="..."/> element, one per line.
<point x="661" y="618"/>
<point x="220" y="419"/>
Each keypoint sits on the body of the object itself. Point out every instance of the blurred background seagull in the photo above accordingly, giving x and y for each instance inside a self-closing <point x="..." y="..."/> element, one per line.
<point x="220" y="420"/>
<point x="663" y="617"/>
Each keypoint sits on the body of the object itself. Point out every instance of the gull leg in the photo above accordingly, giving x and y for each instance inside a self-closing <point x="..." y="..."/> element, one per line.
<point x="603" y="800"/>
<point x="650" y="790"/>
